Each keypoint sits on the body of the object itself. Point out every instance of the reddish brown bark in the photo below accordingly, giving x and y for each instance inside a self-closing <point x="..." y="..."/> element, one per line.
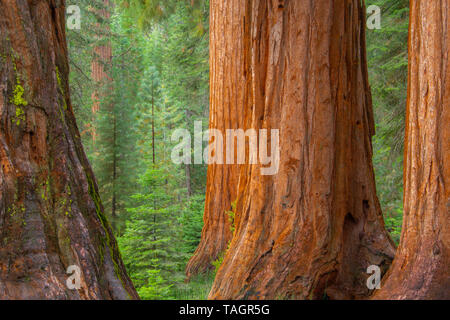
<point x="227" y="100"/>
<point x="311" y="230"/>
<point x="421" y="266"/>
<point x="102" y="58"/>
<point x="51" y="215"/>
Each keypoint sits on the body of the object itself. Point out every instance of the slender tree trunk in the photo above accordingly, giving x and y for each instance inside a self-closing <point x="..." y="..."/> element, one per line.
<point x="51" y="216"/>
<point x="310" y="231"/>
<point x="227" y="100"/>
<point x="153" y="123"/>
<point x="114" y="175"/>
<point x="187" y="169"/>
<point x="421" y="266"/>
<point x="187" y="166"/>
<point x="102" y="58"/>
<point x="101" y="96"/>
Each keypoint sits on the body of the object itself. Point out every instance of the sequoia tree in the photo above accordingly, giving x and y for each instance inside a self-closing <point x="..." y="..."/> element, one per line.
<point x="312" y="229"/>
<point x="421" y="266"/>
<point x="51" y="216"/>
<point x="227" y="98"/>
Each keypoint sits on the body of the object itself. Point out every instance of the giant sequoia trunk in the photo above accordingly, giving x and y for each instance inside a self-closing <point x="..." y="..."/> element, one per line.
<point x="227" y="100"/>
<point x="311" y="230"/>
<point x="51" y="216"/>
<point x="421" y="269"/>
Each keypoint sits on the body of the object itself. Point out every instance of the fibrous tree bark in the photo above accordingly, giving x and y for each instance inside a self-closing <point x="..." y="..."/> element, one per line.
<point x="421" y="266"/>
<point x="51" y="216"/>
<point x="311" y="230"/>
<point x="227" y="99"/>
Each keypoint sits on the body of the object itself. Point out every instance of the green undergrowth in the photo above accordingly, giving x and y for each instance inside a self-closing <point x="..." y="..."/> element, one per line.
<point x="197" y="289"/>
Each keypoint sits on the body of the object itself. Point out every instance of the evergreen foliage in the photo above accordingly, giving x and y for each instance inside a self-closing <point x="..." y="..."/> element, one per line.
<point x="388" y="67"/>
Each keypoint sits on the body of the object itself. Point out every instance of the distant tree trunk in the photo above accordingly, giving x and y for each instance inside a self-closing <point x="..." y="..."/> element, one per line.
<point x="103" y="81"/>
<point x="153" y="124"/>
<point x="51" y="216"/>
<point x="421" y="269"/>
<point x="114" y="176"/>
<point x="102" y="57"/>
<point x="310" y="231"/>
<point x="187" y="166"/>
<point x="227" y="101"/>
<point x="187" y="169"/>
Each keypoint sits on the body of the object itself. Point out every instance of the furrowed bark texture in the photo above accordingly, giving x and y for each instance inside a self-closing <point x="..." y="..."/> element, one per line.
<point x="421" y="266"/>
<point x="227" y="100"/>
<point x="311" y="230"/>
<point x="51" y="216"/>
